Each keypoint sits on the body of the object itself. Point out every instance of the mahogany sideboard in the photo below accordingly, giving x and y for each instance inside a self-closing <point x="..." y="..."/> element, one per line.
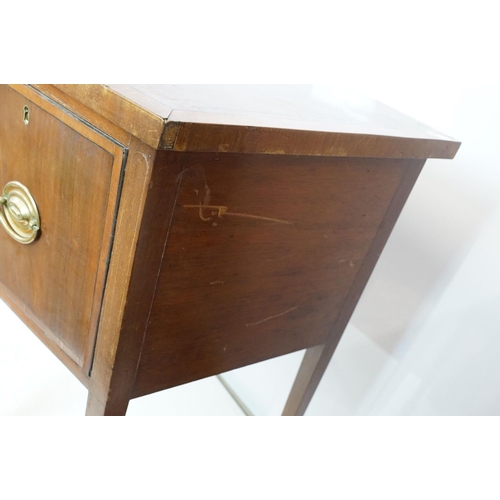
<point x="154" y="235"/>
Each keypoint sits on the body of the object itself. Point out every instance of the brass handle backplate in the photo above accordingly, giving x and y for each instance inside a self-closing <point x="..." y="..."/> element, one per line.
<point x="18" y="213"/>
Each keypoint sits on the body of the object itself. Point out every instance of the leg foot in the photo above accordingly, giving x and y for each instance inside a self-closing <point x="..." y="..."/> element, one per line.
<point x="311" y="370"/>
<point x="96" y="408"/>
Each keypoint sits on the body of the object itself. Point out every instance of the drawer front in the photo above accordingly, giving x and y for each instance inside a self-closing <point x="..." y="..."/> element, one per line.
<point x="73" y="173"/>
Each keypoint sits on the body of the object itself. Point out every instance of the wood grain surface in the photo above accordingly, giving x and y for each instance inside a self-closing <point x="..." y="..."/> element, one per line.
<point x="73" y="173"/>
<point x="264" y="119"/>
<point x="149" y="193"/>
<point x="191" y="230"/>
<point x="77" y="108"/>
<point x="316" y="359"/>
<point x="261" y="255"/>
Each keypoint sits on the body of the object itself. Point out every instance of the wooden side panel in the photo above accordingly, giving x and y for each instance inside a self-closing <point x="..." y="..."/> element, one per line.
<point x="261" y="254"/>
<point x="316" y="359"/>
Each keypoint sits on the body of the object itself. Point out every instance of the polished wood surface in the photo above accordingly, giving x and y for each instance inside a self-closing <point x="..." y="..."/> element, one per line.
<point x="130" y="116"/>
<point x="265" y="119"/>
<point x="261" y="255"/>
<point x="316" y="359"/>
<point x="143" y="223"/>
<point x="75" y="107"/>
<point x="73" y="173"/>
<point x="190" y="230"/>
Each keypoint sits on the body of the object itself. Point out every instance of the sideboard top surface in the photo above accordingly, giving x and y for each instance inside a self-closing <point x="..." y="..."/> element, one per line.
<point x="268" y="119"/>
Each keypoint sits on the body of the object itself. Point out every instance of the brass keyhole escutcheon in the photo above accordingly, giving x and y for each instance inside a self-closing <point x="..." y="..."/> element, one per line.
<point x="18" y="213"/>
<point x="26" y="115"/>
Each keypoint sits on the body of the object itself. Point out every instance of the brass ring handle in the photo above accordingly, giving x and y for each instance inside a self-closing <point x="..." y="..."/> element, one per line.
<point x="18" y="213"/>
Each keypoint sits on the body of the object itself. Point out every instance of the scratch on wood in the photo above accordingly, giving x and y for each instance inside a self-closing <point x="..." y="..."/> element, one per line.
<point x="201" y="207"/>
<point x="270" y="219"/>
<point x="208" y="195"/>
<point x="222" y="210"/>
<point x="217" y="282"/>
<point x="272" y="317"/>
